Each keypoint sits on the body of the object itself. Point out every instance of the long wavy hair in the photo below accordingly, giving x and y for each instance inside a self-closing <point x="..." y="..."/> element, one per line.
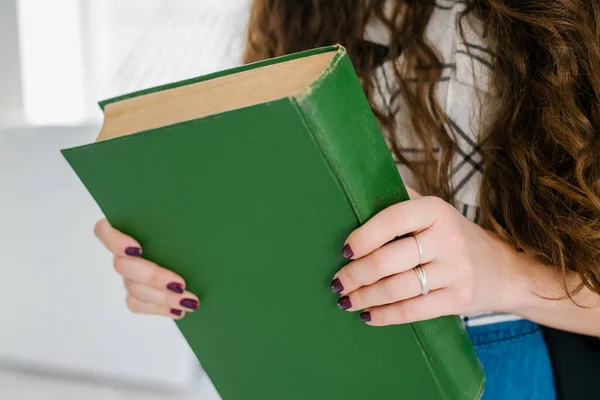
<point x="541" y="174"/>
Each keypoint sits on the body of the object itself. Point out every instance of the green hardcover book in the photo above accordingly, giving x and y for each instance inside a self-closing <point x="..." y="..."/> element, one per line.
<point x="246" y="182"/>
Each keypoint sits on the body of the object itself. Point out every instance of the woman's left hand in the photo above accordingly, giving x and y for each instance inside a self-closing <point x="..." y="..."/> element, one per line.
<point x="465" y="265"/>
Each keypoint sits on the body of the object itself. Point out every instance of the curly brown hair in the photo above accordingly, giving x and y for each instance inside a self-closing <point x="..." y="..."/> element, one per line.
<point x="541" y="174"/>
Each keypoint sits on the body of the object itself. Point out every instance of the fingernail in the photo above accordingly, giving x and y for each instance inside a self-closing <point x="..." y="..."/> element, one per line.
<point x="365" y="316"/>
<point x="189" y="303"/>
<point x="336" y="285"/>
<point x="175" y="311"/>
<point x="347" y="251"/>
<point x="175" y="287"/>
<point x="133" y="251"/>
<point x="344" y="303"/>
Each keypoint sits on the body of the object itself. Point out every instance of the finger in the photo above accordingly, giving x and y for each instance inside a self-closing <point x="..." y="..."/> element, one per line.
<point x="186" y="300"/>
<point x="115" y="241"/>
<point x="391" y="259"/>
<point x="149" y="274"/>
<point x="395" y="288"/>
<point x="432" y="305"/>
<point x="400" y="219"/>
<point x="140" y="307"/>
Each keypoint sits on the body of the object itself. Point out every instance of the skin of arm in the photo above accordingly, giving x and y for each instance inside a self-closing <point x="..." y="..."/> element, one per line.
<point x="469" y="270"/>
<point x="539" y="295"/>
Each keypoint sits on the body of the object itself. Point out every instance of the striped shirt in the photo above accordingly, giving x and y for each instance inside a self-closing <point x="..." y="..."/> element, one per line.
<point x="463" y="92"/>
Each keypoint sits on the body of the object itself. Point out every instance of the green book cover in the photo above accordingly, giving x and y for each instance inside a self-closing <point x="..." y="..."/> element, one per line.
<point x="246" y="182"/>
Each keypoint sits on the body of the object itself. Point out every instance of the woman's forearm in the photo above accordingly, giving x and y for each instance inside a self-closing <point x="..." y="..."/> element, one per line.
<point x="535" y="288"/>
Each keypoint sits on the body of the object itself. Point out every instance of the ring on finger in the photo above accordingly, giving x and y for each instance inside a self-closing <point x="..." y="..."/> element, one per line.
<point x="420" y="250"/>
<point x="422" y="279"/>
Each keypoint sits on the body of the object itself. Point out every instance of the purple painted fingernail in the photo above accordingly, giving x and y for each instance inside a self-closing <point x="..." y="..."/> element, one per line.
<point x="175" y="311"/>
<point x="365" y="316"/>
<point x="189" y="303"/>
<point x="344" y="303"/>
<point x="133" y="251"/>
<point x="175" y="287"/>
<point x="347" y="251"/>
<point x="336" y="286"/>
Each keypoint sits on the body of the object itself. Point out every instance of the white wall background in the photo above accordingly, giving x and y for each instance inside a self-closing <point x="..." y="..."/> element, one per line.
<point x="11" y="99"/>
<point x="63" y="306"/>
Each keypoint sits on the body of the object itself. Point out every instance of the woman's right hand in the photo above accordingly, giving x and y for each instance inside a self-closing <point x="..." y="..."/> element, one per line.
<point x="151" y="289"/>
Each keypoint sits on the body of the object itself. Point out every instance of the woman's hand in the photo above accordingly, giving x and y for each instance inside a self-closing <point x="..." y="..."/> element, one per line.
<point x="465" y="266"/>
<point x="151" y="289"/>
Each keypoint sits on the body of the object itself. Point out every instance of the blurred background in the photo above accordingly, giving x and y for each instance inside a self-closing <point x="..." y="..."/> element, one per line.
<point x="65" y="332"/>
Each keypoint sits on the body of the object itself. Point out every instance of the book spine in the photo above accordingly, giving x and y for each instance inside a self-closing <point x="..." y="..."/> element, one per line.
<point x="346" y="130"/>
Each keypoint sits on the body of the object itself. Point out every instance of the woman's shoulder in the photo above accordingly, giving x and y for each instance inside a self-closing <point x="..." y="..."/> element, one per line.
<point x="463" y="92"/>
<point x="457" y="39"/>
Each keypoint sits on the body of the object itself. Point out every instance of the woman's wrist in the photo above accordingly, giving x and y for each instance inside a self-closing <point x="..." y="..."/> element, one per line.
<point x="537" y="292"/>
<point x="515" y="273"/>
<point x="518" y="283"/>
